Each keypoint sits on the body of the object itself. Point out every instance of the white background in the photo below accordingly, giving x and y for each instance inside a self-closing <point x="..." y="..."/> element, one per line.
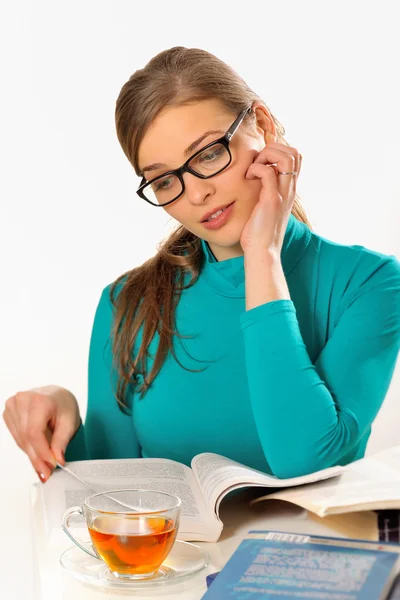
<point x="70" y="219"/>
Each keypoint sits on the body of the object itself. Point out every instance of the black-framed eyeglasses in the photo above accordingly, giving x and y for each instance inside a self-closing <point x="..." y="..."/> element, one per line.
<point x="205" y="163"/>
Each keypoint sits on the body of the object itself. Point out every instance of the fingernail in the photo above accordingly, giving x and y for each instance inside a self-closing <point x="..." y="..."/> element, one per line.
<point x="41" y="477"/>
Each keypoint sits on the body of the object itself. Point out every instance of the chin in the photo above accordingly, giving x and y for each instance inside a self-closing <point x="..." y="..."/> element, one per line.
<point x="225" y="238"/>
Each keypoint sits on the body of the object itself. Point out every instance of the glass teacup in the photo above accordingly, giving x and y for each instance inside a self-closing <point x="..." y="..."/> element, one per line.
<point x="132" y="531"/>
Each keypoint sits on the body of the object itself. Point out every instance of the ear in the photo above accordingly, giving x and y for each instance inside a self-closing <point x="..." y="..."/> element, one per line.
<point x="265" y="124"/>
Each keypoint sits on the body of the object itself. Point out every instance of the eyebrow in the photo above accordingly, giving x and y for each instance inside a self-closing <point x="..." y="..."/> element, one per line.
<point x="187" y="152"/>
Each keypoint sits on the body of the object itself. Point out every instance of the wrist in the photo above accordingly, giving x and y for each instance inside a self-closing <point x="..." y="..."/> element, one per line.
<point x="266" y="256"/>
<point x="265" y="279"/>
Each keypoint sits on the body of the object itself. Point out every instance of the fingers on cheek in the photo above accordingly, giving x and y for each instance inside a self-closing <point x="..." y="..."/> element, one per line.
<point x="270" y="177"/>
<point x="258" y="171"/>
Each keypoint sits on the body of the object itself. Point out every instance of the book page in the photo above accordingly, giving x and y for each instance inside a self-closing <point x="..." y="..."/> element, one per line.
<point x="218" y="475"/>
<point x="62" y="491"/>
<point x="370" y="483"/>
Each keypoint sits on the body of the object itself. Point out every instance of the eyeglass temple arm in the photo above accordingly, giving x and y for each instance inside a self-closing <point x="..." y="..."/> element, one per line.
<point x="230" y="133"/>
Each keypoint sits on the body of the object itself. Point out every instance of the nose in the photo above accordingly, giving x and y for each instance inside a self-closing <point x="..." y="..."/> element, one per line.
<point x="197" y="189"/>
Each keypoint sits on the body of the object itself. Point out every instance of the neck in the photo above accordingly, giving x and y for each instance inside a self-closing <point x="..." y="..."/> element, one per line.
<point x="227" y="276"/>
<point x="224" y="253"/>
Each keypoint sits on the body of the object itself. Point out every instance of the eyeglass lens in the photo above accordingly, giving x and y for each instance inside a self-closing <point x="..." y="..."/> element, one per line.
<point x="168" y="187"/>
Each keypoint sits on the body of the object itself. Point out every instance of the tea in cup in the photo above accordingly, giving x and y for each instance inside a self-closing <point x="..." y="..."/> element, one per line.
<point x="132" y="531"/>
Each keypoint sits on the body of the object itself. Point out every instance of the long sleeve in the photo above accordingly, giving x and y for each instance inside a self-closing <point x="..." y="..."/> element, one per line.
<point x="309" y="416"/>
<point x="107" y="432"/>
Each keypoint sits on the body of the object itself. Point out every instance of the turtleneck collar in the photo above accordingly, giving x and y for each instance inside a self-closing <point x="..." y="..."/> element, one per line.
<point x="227" y="277"/>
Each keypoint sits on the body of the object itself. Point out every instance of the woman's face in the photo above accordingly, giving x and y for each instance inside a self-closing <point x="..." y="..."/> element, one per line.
<point x="172" y="131"/>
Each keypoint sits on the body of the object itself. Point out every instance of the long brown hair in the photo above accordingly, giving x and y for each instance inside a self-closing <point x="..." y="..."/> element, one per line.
<point x="148" y="294"/>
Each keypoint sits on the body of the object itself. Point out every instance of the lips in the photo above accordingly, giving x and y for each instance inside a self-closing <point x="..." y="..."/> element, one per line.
<point x="211" y="212"/>
<point x="221" y="219"/>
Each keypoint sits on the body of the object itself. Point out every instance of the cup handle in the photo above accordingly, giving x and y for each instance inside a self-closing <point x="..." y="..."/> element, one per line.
<point x="65" y="525"/>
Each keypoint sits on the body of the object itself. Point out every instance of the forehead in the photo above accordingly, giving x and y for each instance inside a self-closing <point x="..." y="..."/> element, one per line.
<point x="176" y="127"/>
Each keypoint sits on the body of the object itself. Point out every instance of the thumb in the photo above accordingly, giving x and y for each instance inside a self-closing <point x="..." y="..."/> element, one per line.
<point x="62" y="434"/>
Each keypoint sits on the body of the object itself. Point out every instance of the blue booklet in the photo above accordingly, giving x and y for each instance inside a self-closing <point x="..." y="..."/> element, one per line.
<point x="277" y="564"/>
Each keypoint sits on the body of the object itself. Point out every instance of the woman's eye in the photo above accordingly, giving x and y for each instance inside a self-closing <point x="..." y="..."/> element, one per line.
<point x="162" y="186"/>
<point x="206" y="157"/>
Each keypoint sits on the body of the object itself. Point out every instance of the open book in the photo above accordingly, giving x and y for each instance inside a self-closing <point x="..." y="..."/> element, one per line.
<point x="372" y="482"/>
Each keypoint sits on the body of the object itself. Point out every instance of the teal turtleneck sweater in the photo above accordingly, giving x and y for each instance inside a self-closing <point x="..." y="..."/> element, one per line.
<point x="289" y="387"/>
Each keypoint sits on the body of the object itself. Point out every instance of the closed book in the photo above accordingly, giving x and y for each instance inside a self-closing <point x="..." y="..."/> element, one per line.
<point x="276" y="564"/>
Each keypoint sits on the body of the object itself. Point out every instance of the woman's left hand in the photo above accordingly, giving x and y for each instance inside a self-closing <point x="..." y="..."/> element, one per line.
<point x="265" y="230"/>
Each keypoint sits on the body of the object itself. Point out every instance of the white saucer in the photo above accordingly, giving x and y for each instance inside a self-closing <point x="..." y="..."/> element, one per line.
<point x="184" y="560"/>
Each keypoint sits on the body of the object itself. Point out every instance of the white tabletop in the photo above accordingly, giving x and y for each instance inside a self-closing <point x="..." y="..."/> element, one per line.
<point x="52" y="582"/>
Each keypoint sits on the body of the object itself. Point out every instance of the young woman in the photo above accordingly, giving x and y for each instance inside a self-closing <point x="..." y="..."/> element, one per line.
<point x="247" y="334"/>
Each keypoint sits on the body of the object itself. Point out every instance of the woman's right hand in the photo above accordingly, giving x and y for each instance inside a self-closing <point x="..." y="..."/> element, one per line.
<point x="42" y="421"/>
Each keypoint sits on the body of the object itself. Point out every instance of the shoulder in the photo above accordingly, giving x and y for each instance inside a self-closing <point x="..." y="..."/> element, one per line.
<point x="105" y="309"/>
<point x="356" y="266"/>
<point x="111" y="291"/>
